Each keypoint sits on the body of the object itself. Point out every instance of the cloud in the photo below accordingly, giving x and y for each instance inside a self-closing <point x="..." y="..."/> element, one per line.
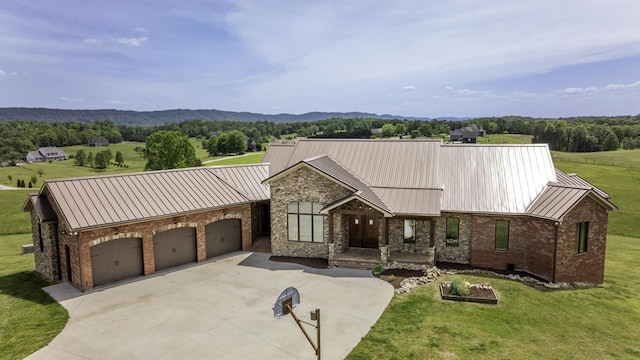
<point x="583" y="90"/>
<point x="68" y="99"/>
<point x="2" y="73"/>
<point x="132" y="42"/>
<point x="408" y="88"/>
<point x="92" y="41"/>
<point x="141" y="29"/>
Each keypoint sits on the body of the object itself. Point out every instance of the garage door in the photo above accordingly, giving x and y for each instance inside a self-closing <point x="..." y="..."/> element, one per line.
<point x="116" y="260"/>
<point x="223" y="237"/>
<point x="174" y="247"/>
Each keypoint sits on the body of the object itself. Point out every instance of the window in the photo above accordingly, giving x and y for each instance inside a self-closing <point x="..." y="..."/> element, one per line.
<point x="582" y="234"/>
<point x="305" y="222"/>
<point x="453" y="231"/>
<point x="40" y="240"/>
<point x="410" y="231"/>
<point x="502" y="235"/>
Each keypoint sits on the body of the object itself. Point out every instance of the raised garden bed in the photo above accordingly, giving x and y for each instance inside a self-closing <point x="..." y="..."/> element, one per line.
<point x="477" y="294"/>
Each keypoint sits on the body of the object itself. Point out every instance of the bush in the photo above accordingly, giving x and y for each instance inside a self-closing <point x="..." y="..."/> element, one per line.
<point x="459" y="288"/>
<point x="377" y="269"/>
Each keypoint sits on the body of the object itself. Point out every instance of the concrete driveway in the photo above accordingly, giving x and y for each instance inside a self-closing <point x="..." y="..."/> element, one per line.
<point x="221" y="309"/>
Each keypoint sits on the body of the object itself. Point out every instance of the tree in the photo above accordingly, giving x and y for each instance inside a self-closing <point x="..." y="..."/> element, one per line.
<point x="30" y="185"/>
<point x="415" y="134"/>
<point x="211" y="146"/>
<point x="401" y="129"/>
<point x="90" y="159"/>
<point x="425" y="130"/>
<point x="34" y="180"/>
<point x="237" y="142"/>
<point x="102" y="159"/>
<point x="610" y="142"/>
<point x="80" y="157"/>
<point x="169" y="150"/>
<point x="119" y="158"/>
<point x="388" y="130"/>
<point x="10" y="177"/>
<point x="221" y="143"/>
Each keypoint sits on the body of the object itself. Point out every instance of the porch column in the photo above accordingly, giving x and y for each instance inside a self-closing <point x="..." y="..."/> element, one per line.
<point x="385" y="231"/>
<point x="331" y="227"/>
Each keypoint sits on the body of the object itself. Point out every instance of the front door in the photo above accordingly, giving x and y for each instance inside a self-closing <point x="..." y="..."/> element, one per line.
<point x="363" y="231"/>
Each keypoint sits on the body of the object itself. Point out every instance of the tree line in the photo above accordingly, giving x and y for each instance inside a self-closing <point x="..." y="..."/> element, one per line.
<point x="581" y="134"/>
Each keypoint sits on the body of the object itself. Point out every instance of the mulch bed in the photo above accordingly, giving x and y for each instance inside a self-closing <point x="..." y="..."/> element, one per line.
<point x="399" y="275"/>
<point x="310" y="262"/>
<point x="485" y="296"/>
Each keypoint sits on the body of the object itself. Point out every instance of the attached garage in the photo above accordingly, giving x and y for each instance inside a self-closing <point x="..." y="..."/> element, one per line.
<point x="174" y="247"/>
<point x="116" y="260"/>
<point x="223" y="237"/>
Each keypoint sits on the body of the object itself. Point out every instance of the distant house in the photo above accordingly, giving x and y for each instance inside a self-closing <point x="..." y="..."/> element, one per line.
<point x="98" y="141"/>
<point x="50" y="153"/>
<point x="468" y="134"/>
<point x="377" y="132"/>
<point x="251" y="144"/>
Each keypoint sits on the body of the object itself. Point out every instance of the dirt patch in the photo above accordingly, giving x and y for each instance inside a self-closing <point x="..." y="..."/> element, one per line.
<point x="310" y="262"/>
<point x="398" y="275"/>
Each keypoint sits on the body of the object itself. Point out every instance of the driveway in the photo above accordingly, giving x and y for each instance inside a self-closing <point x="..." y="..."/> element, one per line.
<point x="221" y="309"/>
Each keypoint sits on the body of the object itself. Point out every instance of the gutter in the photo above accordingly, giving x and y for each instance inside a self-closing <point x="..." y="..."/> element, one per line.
<point x="82" y="287"/>
<point x="555" y="251"/>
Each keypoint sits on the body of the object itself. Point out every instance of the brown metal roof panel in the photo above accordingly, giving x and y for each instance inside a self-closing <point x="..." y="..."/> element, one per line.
<point x="555" y="201"/>
<point x="411" y="201"/>
<point x="43" y="207"/>
<point x="246" y="179"/>
<point x="278" y="155"/>
<point x="573" y="179"/>
<point x="116" y="206"/>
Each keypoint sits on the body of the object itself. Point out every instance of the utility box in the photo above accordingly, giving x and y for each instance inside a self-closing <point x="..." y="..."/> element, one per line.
<point x="27" y="249"/>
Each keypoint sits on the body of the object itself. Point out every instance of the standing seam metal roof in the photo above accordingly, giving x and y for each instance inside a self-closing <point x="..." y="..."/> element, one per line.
<point x="104" y="200"/>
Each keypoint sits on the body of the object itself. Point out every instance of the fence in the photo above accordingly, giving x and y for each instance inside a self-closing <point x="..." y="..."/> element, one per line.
<point x="596" y="162"/>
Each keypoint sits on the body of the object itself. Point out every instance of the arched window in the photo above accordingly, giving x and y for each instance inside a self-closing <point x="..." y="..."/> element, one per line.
<point x="304" y="222"/>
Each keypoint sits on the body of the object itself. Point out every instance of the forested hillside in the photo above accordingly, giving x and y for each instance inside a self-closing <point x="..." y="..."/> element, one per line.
<point x="576" y="134"/>
<point x="149" y="118"/>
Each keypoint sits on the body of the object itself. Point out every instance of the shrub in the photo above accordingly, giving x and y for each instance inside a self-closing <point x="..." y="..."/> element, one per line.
<point x="459" y="288"/>
<point x="377" y="269"/>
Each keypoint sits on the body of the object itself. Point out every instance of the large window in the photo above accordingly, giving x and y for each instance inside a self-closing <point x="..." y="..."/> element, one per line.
<point x="582" y="233"/>
<point x="502" y="235"/>
<point x="305" y="222"/>
<point x="410" y="231"/>
<point x="453" y="231"/>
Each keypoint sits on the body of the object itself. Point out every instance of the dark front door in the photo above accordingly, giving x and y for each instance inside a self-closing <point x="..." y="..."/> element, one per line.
<point x="363" y="231"/>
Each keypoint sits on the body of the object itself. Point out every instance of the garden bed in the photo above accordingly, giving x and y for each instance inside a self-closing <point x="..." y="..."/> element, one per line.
<point x="476" y="294"/>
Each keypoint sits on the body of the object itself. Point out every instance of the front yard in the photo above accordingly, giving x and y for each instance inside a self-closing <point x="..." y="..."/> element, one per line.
<point x="528" y="323"/>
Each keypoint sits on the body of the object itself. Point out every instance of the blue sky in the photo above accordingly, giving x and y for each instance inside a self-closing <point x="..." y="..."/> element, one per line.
<point x="411" y="58"/>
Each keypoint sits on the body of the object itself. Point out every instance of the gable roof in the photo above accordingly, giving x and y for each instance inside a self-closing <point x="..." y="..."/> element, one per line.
<point x="98" y="201"/>
<point x="425" y="177"/>
<point x="41" y="205"/>
<point x="558" y="199"/>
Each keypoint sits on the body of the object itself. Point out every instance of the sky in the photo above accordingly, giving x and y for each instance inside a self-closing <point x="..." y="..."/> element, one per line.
<point x="411" y="58"/>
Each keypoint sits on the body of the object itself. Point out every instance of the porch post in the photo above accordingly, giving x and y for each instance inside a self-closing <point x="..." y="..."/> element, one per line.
<point x="330" y="227"/>
<point x="385" y="231"/>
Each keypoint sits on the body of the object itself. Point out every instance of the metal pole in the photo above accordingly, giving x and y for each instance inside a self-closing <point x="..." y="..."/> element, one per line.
<point x="318" y="331"/>
<point x="303" y="330"/>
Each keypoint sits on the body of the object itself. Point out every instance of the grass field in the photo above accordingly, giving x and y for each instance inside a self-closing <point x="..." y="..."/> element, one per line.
<point x="29" y="317"/>
<point x="620" y="158"/>
<point x="505" y="139"/>
<point x="528" y="323"/>
<point x="250" y="158"/>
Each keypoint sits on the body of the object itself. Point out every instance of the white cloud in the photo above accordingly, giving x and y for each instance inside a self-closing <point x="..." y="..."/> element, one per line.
<point x="2" y="73"/>
<point x="133" y="42"/>
<point x="92" y="41"/>
<point x="582" y="90"/>
<point x="141" y="29"/>
<point x="408" y="88"/>
<point x="68" y="99"/>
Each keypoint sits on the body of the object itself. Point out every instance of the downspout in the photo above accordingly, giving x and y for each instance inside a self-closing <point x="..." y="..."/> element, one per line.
<point x="80" y="262"/>
<point x="555" y="251"/>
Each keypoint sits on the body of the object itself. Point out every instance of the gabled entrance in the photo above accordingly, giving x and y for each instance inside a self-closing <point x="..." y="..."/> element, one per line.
<point x="363" y="231"/>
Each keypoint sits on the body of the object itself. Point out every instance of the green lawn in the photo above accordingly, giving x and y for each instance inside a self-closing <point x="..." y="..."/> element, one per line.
<point x="528" y="323"/>
<point x="12" y="219"/>
<point x="621" y="158"/>
<point x="249" y="158"/>
<point x="29" y="317"/>
<point x="505" y="139"/>
<point x="623" y="184"/>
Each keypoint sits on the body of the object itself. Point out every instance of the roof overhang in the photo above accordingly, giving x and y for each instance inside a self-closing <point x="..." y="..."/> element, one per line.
<point x="354" y="196"/>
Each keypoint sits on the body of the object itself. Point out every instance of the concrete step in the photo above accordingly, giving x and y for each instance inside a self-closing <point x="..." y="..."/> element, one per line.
<point x="353" y="264"/>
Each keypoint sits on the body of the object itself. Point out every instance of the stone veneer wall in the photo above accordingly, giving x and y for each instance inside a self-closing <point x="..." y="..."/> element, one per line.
<point x="587" y="266"/>
<point x="423" y="236"/>
<point x="460" y="254"/>
<point x="80" y="243"/>
<point x="303" y="184"/>
<point x="46" y="260"/>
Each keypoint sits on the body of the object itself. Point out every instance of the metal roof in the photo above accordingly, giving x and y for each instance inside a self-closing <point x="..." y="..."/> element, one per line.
<point x="575" y="180"/>
<point x="555" y="201"/>
<point x="380" y="163"/>
<point x="42" y="206"/>
<point x="277" y="156"/>
<point x="493" y="178"/>
<point x="106" y="200"/>
<point x="247" y="179"/>
<point x="424" y="202"/>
